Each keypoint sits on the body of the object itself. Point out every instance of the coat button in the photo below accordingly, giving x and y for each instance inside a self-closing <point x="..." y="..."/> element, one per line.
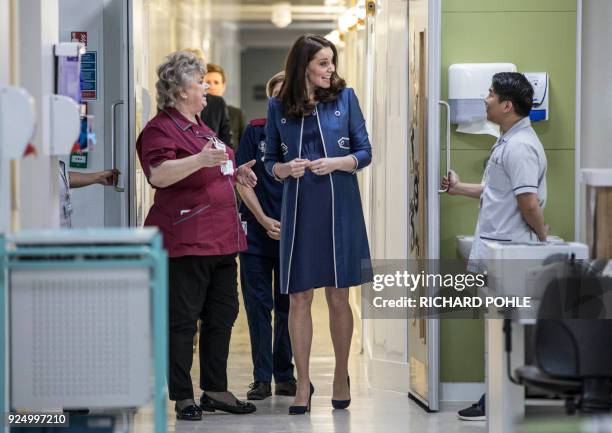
<point x="283" y="120"/>
<point x="337" y="113"/>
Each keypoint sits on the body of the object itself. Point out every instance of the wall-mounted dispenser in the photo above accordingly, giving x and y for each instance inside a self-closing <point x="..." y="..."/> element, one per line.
<point x="68" y="80"/>
<point x="65" y="124"/>
<point x="468" y="85"/>
<point x="540" y="83"/>
<point x="65" y="108"/>
<point x="17" y="121"/>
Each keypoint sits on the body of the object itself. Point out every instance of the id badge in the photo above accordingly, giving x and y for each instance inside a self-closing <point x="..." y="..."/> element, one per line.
<point x="227" y="168"/>
<point x="68" y="209"/>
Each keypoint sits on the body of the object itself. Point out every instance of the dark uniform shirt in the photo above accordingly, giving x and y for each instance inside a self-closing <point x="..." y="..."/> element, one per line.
<point x="216" y="116"/>
<point x="269" y="192"/>
<point x="236" y="122"/>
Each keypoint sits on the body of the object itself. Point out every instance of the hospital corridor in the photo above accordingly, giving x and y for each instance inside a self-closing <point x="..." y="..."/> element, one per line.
<point x="374" y="410"/>
<point x="343" y="216"/>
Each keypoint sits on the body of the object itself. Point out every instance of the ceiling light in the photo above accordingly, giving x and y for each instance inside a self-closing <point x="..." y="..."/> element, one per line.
<point x="281" y="14"/>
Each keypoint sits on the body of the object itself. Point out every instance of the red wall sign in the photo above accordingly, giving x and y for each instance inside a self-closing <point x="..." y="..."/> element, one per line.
<point x="79" y="37"/>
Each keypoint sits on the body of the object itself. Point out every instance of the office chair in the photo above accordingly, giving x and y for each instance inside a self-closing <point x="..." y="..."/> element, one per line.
<point x="573" y="341"/>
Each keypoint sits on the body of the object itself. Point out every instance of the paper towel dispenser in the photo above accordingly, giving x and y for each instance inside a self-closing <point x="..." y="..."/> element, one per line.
<point x="468" y="85"/>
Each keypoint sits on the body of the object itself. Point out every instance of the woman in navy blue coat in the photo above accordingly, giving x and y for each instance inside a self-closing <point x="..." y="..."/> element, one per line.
<point x="316" y="141"/>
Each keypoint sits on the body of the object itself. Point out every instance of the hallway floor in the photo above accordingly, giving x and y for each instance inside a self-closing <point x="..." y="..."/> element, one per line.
<point x="371" y="410"/>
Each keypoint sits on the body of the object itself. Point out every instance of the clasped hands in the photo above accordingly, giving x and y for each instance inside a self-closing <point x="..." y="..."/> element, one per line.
<point x="296" y="168"/>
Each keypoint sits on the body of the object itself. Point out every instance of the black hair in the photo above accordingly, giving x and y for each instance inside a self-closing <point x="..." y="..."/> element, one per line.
<point x="514" y="87"/>
<point x="293" y="93"/>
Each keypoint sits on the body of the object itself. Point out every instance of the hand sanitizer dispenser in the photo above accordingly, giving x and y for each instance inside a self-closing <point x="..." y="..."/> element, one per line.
<point x="540" y="82"/>
<point x="17" y="121"/>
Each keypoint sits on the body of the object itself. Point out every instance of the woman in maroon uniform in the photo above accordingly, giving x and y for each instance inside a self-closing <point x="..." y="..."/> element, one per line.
<point x="194" y="174"/>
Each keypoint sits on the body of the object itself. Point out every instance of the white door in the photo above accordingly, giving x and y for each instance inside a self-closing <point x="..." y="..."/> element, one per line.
<point x="119" y="106"/>
<point x="423" y="215"/>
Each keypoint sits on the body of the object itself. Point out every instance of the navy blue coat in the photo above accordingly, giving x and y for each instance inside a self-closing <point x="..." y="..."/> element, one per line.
<point x="343" y="133"/>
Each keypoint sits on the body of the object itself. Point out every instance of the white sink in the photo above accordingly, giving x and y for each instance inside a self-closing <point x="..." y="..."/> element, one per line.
<point x="464" y="245"/>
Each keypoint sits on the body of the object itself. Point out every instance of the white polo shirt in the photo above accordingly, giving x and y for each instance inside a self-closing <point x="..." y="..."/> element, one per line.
<point x="517" y="165"/>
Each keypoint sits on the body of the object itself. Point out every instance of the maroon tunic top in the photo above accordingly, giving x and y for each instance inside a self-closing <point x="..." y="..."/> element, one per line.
<point x="197" y="215"/>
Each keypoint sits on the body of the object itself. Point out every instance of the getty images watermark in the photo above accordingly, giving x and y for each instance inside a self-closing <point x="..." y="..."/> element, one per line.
<point x="528" y="289"/>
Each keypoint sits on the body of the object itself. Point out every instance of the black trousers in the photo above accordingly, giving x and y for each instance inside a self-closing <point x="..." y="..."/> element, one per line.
<point x="261" y="294"/>
<point x="201" y="287"/>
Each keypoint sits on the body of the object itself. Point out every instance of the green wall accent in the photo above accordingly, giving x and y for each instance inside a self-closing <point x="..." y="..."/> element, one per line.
<point x="508" y="5"/>
<point x="536" y="35"/>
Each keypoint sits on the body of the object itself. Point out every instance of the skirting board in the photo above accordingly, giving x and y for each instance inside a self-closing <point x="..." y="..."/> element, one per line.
<point x="462" y="391"/>
<point x="389" y="375"/>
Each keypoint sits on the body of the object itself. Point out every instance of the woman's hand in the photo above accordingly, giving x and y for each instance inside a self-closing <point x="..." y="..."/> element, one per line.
<point x="272" y="227"/>
<point x="211" y="157"/>
<point x="323" y="166"/>
<point x="245" y="176"/>
<point x="294" y="168"/>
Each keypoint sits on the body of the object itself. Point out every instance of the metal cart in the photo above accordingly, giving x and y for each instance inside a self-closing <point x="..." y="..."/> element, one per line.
<point x="85" y="320"/>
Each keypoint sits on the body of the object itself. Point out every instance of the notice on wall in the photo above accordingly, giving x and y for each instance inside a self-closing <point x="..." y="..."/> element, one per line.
<point x="79" y="37"/>
<point x="89" y="75"/>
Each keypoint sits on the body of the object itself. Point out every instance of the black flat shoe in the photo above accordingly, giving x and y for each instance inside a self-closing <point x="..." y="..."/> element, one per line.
<point x="189" y="413"/>
<point x="259" y="390"/>
<point x="342" y="404"/>
<point x="286" y="387"/>
<point x="301" y="410"/>
<point x="209" y="404"/>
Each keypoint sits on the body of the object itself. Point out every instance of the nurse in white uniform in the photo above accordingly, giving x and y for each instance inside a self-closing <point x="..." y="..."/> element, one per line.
<point x="513" y="192"/>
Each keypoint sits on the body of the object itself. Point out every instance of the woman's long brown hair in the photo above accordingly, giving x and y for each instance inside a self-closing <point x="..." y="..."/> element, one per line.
<point x="294" y="93"/>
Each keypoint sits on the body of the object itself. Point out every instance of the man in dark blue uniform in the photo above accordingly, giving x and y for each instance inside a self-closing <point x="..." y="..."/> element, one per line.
<point x="259" y="268"/>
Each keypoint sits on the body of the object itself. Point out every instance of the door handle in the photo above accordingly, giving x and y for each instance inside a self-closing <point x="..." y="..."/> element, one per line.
<point x="448" y="149"/>
<point x="113" y="147"/>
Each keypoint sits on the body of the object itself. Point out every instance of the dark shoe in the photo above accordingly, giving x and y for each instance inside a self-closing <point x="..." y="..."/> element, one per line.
<point x="189" y="413"/>
<point x="342" y="404"/>
<point x="259" y="390"/>
<point x="301" y="410"/>
<point x="209" y="404"/>
<point x="286" y="387"/>
<point x="473" y="413"/>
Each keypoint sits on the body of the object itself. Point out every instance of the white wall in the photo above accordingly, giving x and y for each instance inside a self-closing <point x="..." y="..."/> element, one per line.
<point x="5" y="180"/>
<point x="38" y="179"/>
<point x="596" y="95"/>
<point x="4" y="42"/>
<point x="596" y="124"/>
<point x="226" y="51"/>
<point x="75" y="16"/>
